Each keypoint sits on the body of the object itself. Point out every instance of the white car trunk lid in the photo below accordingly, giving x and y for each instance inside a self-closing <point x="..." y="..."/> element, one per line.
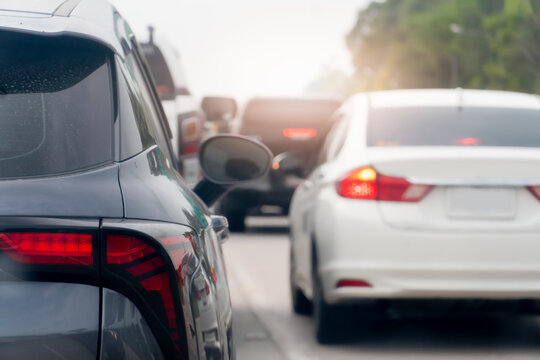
<point x="480" y="188"/>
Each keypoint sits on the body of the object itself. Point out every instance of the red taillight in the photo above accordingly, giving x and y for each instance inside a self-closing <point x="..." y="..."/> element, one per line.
<point x="468" y="141"/>
<point x="352" y="283"/>
<point x="150" y="263"/>
<point x="300" y="133"/>
<point x="48" y="248"/>
<point x="190" y="129"/>
<point x="398" y="189"/>
<point x="122" y="249"/>
<point x="190" y="149"/>
<point x="360" y="184"/>
<point x="163" y="89"/>
<point x="366" y="184"/>
<point x="128" y="250"/>
<point x="535" y="190"/>
<point x="145" y="265"/>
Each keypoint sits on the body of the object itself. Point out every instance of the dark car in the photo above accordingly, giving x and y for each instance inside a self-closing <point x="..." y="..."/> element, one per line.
<point x="293" y="129"/>
<point x="105" y="253"/>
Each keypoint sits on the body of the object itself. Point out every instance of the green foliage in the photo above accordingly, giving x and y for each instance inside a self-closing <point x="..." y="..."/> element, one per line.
<point x="485" y="44"/>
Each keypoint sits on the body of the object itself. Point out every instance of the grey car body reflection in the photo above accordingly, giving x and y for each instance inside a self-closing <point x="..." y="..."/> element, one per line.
<point x="125" y="332"/>
<point x="72" y="310"/>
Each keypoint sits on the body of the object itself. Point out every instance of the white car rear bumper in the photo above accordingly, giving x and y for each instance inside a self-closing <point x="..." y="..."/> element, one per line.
<point x="396" y="283"/>
<point x="354" y="243"/>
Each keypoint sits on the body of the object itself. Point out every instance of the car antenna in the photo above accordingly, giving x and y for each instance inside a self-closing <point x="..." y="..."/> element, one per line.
<point x="460" y="98"/>
<point x="151" y="30"/>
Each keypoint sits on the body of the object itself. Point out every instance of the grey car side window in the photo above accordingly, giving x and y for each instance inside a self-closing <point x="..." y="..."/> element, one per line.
<point x="148" y="111"/>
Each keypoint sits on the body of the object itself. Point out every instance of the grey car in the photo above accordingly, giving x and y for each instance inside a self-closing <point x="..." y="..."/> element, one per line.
<point x="105" y="253"/>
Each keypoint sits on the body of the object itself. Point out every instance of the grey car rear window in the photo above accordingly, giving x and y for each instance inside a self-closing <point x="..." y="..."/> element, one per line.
<point x="267" y="118"/>
<point x="56" y="105"/>
<point x="446" y="126"/>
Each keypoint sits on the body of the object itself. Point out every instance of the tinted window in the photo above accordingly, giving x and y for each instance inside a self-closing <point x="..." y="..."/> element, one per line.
<point x="56" y="105"/>
<point x="149" y="101"/>
<point x="160" y="71"/>
<point x="135" y="134"/>
<point x="271" y="119"/>
<point x="433" y="126"/>
<point x="143" y="110"/>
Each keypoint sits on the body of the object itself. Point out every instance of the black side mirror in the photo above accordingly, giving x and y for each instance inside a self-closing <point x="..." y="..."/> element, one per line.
<point x="228" y="160"/>
<point x="219" y="108"/>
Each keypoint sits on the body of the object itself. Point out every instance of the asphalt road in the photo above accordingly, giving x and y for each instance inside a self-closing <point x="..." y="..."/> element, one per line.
<point x="266" y="328"/>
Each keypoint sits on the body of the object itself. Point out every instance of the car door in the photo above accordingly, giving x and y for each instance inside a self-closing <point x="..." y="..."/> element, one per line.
<point x="305" y="199"/>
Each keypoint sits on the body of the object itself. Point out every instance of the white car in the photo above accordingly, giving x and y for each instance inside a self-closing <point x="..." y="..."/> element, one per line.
<point x="421" y="194"/>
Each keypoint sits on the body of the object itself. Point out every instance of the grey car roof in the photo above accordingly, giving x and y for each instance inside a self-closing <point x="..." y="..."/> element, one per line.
<point x="97" y="20"/>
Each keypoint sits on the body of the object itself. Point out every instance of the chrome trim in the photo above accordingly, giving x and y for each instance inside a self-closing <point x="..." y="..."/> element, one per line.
<point x="474" y="182"/>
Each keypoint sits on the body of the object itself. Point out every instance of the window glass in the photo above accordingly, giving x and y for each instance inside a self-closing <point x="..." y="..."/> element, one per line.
<point x="135" y="134"/>
<point x="451" y="126"/>
<point x="288" y="124"/>
<point x="160" y="71"/>
<point x="144" y="109"/>
<point x="56" y="105"/>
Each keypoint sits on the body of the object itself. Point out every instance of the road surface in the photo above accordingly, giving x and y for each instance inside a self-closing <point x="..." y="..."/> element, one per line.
<point x="266" y="328"/>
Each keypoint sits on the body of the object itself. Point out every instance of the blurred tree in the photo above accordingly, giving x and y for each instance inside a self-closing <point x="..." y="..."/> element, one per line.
<point x="331" y="81"/>
<point x="487" y="44"/>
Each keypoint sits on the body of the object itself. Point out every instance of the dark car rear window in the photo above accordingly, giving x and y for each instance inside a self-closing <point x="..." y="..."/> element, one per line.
<point x="56" y="105"/>
<point x="160" y="71"/>
<point x="277" y="121"/>
<point x="440" y="126"/>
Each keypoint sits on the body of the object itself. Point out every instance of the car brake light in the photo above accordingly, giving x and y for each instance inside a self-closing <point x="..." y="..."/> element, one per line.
<point x="366" y="184"/>
<point x="359" y="184"/>
<point x="123" y="249"/>
<point x="162" y="89"/>
<point x="142" y="264"/>
<point x="470" y="141"/>
<point x="190" y="129"/>
<point x="353" y="283"/>
<point x="147" y="262"/>
<point x="300" y="133"/>
<point x="535" y="190"/>
<point x="48" y="248"/>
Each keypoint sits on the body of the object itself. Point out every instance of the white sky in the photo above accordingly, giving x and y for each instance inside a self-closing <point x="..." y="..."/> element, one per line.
<point x="250" y="47"/>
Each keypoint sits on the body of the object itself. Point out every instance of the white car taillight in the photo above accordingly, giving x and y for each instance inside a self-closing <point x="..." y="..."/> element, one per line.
<point x="366" y="184"/>
<point x="535" y="190"/>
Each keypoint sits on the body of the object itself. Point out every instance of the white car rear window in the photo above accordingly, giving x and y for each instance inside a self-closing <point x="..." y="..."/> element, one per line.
<point x="441" y="126"/>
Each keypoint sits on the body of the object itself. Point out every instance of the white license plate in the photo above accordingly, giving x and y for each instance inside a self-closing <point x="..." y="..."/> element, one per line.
<point x="481" y="202"/>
